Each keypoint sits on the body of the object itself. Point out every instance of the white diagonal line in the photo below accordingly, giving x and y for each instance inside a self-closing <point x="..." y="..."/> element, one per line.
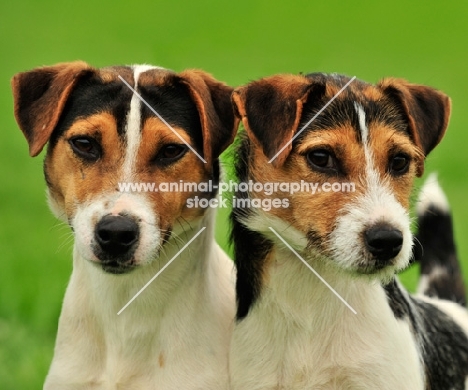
<point x="314" y="271"/>
<point x="161" y="270"/>
<point x="313" y="118"/>
<point x="162" y="119"/>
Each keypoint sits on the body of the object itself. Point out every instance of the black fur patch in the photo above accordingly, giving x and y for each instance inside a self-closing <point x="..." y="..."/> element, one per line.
<point x="92" y="96"/>
<point x="444" y="348"/>
<point x="442" y="343"/>
<point x="437" y="255"/>
<point x="174" y="103"/>
<point x="399" y="301"/>
<point x="250" y="248"/>
<point x="342" y="110"/>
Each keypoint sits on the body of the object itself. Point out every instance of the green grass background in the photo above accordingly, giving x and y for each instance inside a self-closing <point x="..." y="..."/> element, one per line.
<point x="237" y="41"/>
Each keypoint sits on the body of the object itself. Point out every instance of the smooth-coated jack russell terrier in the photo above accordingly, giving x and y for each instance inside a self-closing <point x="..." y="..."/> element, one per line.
<point x="175" y="335"/>
<point x="291" y="331"/>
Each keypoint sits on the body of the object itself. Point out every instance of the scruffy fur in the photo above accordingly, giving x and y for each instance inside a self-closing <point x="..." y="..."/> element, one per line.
<point x="291" y="331"/>
<point x="175" y="335"/>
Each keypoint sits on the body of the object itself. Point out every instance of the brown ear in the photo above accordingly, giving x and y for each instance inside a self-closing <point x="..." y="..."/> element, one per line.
<point x="271" y="110"/>
<point x="39" y="97"/>
<point x="427" y="110"/>
<point x="213" y="100"/>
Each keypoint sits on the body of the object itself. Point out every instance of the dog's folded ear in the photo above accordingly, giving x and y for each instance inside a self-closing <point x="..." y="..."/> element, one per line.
<point x="427" y="111"/>
<point x="213" y="101"/>
<point x="39" y="98"/>
<point x="271" y="110"/>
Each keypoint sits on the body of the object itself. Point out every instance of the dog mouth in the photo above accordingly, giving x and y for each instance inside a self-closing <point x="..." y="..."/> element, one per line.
<point x="373" y="268"/>
<point x="117" y="267"/>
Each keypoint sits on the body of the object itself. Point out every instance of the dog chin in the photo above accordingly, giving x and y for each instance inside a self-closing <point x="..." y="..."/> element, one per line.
<point x="374" y="270"/>
<point x="116" y="268"/>
<point x="113" y="266"/>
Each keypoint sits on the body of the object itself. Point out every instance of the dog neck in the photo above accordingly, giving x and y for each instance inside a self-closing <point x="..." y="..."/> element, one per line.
<point x="185" y="268"/>
<point x="294" y="292"/>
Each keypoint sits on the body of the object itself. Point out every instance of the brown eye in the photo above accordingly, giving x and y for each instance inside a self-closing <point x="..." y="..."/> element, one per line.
<point x="322" y="160"/>
<point x="170" y="153"/>
<point x="86" y="147"/>
<point x="399" y="164"/>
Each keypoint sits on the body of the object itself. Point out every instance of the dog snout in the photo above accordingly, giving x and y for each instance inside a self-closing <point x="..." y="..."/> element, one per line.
<point x="383" y="241"/>
<point x="116" y="234"/>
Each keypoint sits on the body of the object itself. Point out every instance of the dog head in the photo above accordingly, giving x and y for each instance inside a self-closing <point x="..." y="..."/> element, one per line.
<point x="371" y="139"/>
<point x="101" y="134"/>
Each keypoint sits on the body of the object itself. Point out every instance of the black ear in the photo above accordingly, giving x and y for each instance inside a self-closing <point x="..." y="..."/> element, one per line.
<point x="39" y="97"/>
<point x="271" y="110"/>
<point x="427" y="110"/>
<point x="213" y="101"/>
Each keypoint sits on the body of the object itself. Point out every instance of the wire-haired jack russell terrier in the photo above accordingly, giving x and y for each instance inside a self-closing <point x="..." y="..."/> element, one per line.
<point x="175" y="335"/>
<point x="291" y="331"/>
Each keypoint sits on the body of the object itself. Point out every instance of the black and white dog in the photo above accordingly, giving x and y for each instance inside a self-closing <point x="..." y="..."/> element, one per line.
<point x="291" y="331"/>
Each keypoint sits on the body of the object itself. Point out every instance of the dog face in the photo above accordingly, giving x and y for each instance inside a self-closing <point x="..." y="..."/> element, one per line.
<point x="100" y="134"/>
<point x="371" y="138"/>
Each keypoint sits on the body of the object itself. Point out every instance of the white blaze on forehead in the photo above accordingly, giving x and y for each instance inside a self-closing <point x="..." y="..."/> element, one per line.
<point x="376" y="204"/>
<point x="362" y="123"/>
<point x="372" y="175"/>
<point x="133" y="124"/>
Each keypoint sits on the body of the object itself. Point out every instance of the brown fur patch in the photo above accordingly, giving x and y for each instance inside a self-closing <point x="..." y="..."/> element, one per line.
<point x="37" y="110"/>
<point x="161" y="360"/>
<point x="170" y="206"/>
<point x="317" y="213"/>
<point x="74" y="181"/>
<point x="111" y="74"/>
<point x="384" y="143"/>
<point x="276" y="112"/>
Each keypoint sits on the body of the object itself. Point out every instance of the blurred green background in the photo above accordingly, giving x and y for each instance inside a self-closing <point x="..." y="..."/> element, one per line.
<point x="237" y="41"/>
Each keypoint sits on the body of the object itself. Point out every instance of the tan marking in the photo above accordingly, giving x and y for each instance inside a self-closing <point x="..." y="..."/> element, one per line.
<point x="37" y="116"/>
<point x="170" y="206"/>
<point x="161" y="360"/>
<point x="69" y="189"/>
<point x="75" y="181"/>
<point x="111" y="74"/>
<point x="384" y="138"/>
<point x="371" y="93"/>
<point x="318" y="212"/>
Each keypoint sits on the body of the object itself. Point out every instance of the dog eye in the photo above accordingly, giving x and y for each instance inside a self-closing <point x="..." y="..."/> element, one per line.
<point x="322" y="160"/>
<point x="86" y="148"/>
<point x="399" y="164"/>
<point x="171" y="153"/>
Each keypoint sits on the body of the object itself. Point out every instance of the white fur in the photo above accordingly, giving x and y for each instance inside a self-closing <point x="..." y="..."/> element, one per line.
<point x="299" y="336"/>
<point x="176" y="334"/>
<point x="133" y="127"/>
<point x="261" y="222"/>
<point x="362" y="123"/>
<point x="431" y="194"/>
<point x="115" y="203"/>
<point x="185" y="316"/>
<point x="426" y="280"/>
<point x="458" y="313"/>
<point x="376" y="205"/>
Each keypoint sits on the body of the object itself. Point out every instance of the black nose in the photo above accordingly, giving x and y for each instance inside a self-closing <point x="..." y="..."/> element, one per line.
<point x="116" y="234"/>
<point x="383" y="241"/>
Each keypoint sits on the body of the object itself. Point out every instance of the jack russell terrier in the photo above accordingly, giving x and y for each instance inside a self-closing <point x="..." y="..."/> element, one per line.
<point x="292" y="332"/>
<point x="100" y="133"/>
